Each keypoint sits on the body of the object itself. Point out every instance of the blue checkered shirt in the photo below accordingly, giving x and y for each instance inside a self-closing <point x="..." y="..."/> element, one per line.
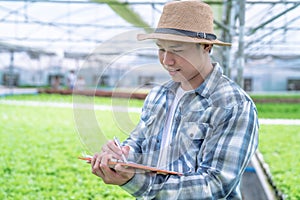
<point x="214" y="134"/>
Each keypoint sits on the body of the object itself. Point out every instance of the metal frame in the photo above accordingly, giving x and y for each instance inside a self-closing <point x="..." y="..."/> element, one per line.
<point x="249" y="39"/>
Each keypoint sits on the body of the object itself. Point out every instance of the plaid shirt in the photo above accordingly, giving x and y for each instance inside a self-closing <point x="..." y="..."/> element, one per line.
<point x="214" y="135"/>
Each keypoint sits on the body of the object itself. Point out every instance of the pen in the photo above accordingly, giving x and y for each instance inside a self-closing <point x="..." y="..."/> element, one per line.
<point x="119" y="145"/>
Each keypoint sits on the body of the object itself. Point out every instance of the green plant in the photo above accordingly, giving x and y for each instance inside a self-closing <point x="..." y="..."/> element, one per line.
<point x="280" y="147"/>
<point x="40" y="145"/>
<point x="278" y="110"/>
<point x="39" y="149"/>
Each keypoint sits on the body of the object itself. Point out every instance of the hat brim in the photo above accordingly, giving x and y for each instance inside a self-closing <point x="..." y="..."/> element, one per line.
<point x="180" y="38"/>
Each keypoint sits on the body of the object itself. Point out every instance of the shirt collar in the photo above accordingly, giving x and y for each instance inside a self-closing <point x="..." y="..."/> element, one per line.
<point x="211" y="81"/>
<point x="172" y="86"/>
<point x="207" y="87"/>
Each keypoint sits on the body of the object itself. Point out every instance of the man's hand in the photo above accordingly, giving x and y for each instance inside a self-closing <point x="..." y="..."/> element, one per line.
<point x="118" y="175"/>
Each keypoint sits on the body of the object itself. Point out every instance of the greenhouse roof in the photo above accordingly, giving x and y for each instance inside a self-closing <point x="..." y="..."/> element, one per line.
<point x="79" y="26"/>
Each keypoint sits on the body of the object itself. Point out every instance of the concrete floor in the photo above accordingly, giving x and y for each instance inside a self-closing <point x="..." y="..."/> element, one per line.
<point x="254" y="185"/>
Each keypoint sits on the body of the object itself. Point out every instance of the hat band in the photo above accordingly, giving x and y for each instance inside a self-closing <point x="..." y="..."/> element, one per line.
<point x="207" y="36"/>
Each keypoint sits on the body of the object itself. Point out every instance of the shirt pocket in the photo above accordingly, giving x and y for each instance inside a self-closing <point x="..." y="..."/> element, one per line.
<point x="190" y="137"/>
<point x="148" y="115"/>
<point x="148" y="118"/>
<point x="150" y="131"/>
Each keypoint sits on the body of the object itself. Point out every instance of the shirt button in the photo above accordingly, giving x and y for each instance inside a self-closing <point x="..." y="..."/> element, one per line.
<point x="191" y="134"/>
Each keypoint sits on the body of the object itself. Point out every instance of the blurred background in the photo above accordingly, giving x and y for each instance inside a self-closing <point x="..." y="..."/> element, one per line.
<point x="42" y="41"/>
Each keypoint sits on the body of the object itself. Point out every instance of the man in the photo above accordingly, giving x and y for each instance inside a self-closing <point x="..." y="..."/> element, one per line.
<point x="71" y="79"/>
<point x="200" y="123"/>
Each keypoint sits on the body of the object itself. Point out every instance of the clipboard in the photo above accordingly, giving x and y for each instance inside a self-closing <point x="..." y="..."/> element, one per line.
<point x="136" y="166"/>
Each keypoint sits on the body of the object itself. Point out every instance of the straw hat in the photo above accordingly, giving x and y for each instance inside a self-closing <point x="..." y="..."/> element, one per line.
<point x="185" y="21"/>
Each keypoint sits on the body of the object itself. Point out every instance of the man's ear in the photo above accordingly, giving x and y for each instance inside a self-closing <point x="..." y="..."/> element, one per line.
<point x="208" y="47"/>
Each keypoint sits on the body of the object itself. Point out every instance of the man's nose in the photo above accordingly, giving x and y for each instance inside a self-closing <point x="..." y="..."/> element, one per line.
<point x="168" y="58"/>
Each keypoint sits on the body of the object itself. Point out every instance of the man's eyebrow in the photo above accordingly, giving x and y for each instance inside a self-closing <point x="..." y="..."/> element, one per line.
<point x="171" y="46"/>
<point x="176" y="46"/>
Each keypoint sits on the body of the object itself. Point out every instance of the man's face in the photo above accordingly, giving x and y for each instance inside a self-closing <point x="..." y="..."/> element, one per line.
<point x="183" y="61"/>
